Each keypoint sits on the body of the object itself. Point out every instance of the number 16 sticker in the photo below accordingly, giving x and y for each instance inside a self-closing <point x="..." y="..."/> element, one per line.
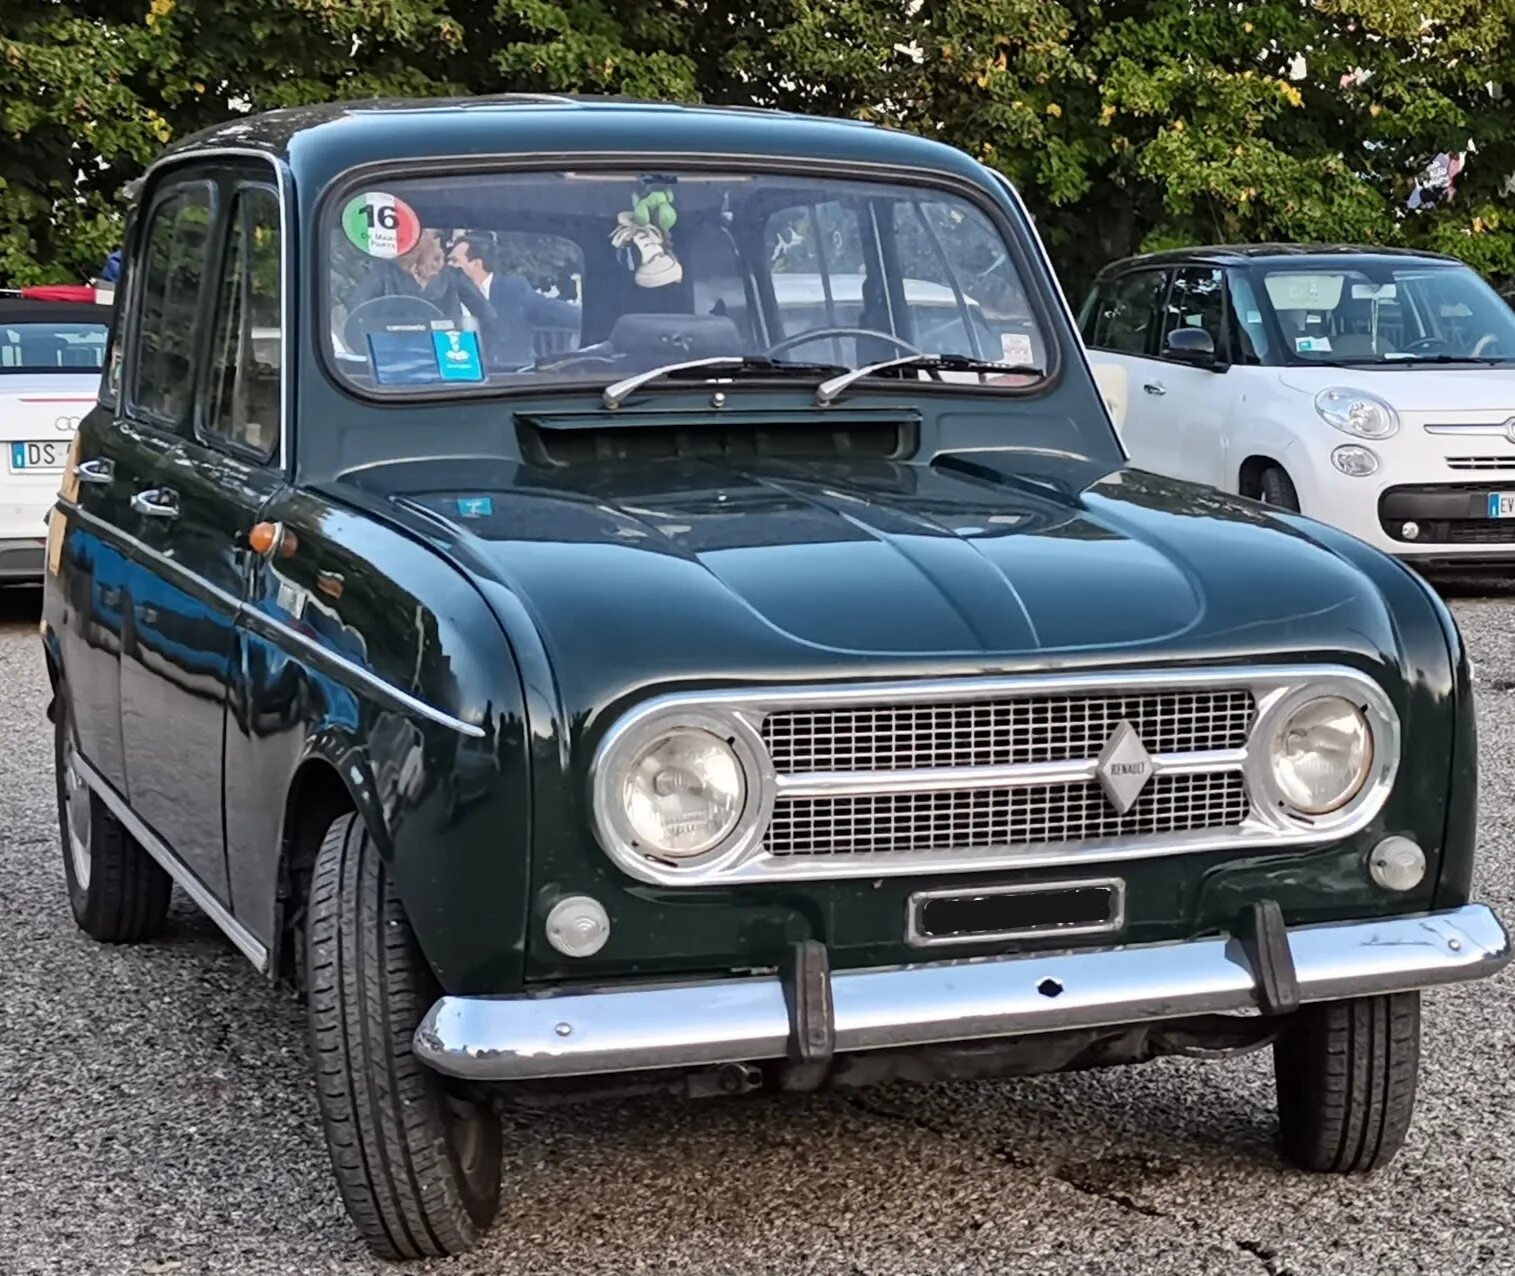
<point x="380" y="224"/>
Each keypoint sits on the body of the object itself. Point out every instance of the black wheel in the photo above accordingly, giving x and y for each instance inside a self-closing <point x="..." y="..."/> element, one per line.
<point x="418" y="1166"/>
<point x="119" y="893"/>
<point x="1346" y="1074"/>
<point x="1277" y="488"/>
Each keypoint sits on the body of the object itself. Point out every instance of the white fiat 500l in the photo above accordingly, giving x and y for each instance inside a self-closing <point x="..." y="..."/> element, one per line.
<point x="1370" y="389"/>
<point x="51" y="354"/>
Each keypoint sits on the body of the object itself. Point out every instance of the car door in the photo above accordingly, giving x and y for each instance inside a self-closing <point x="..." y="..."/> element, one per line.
<point x="176" y="648"/>
<point x="226" y="472"/>
<point x="1195" y="391"/>
<point x="1121" y="333"/>
<point x="88" y="546"/>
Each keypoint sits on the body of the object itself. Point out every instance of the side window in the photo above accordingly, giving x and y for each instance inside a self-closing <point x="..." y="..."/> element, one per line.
<point x="115" y="350"/>
<point x="1251" y="330"/>
<point x="1197" y="300"/>
<point x="172" y="267"/>
<point x="247" y="342"/>
<point x="1097" y="302"/>
<point x="1124" y="323"/>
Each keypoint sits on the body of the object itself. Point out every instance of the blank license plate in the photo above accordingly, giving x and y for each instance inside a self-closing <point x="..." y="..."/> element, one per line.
<point x="1502" y="504"/>
<point x="40" y="455"/>
<point x="1072" y="908"/>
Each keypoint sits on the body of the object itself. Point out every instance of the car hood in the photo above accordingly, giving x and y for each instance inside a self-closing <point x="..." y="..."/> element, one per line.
<point x="1418" y="389"/>
<point x="734" y="571"/>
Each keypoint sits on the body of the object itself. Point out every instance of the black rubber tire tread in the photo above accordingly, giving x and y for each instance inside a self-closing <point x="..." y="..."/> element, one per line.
<point x="128" y="894"/>
<point x="386" y="1115"/>
<point x="1346" y="1074"/>
<point x="1277" y="488"/>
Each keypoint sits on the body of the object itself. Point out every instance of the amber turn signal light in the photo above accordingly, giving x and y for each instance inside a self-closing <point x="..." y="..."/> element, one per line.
<point x="271" y="538"/>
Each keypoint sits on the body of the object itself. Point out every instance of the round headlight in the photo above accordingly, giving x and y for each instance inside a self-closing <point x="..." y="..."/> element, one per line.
<point x="683" y="793"/>
<point x="1357" y="412"/>
<point x="1321" y="755"/>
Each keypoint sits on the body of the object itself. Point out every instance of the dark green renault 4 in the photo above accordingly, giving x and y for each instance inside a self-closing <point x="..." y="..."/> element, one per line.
<point x="604" y="595"/>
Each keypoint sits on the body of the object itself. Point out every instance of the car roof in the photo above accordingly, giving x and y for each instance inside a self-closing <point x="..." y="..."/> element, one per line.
<point x="1270" y="254"/>
<point x="25" y="310"/>
<point x="319" y="142"/>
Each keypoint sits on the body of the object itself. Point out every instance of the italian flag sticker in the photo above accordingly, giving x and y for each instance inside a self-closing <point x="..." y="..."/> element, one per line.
<point x="380" y="224"/>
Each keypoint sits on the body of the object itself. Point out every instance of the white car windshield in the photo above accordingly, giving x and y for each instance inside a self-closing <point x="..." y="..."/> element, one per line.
<point x="526" y="279"/>
<point x="1382" y="312"/>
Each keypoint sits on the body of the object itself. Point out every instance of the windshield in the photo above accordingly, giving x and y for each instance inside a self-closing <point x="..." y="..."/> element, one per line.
<point x="529" y="279"/>
<point x="52" y="347"/>
<point x="1384" y="312"/>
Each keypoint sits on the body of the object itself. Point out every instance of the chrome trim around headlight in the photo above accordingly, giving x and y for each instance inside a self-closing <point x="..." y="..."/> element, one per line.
<point x="738" y="716"/>
<point x="629" y="736"/>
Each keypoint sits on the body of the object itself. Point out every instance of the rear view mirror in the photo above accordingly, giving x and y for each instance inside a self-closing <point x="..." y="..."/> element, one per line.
<point x="1190" y="345"/>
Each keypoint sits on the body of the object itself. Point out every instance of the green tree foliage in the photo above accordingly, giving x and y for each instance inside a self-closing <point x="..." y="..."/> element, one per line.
<point x="1127" y="125"/>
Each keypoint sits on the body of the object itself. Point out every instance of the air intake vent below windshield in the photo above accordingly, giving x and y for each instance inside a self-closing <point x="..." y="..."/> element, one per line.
<point x="543" y="445"/>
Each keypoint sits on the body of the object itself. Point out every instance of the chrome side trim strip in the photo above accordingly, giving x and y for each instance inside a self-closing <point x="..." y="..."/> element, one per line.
<point x="266" y="626"/>
<point x="244" y="941"/>
<point x="632" y="1027"/>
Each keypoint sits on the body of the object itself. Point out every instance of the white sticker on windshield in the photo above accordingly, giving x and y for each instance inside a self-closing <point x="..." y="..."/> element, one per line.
<point x="1374" y="292"/>
<point x="1254" y="316"/>
<point x="1312" y="345"/>
<point x="1015" y="347"/>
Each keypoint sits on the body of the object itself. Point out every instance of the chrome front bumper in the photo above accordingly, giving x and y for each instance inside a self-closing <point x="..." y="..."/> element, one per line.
<point x="626" y="1028"/>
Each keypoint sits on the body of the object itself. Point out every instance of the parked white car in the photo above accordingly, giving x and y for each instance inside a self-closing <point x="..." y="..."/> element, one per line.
<point x="51" y="355"/>
<point x="1370" y="389"/>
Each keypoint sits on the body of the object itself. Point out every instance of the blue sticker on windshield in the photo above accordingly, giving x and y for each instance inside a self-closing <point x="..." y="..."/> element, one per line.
<point x="458" y="356"/>
<point x="475" y="506"/>
<point x="403" y="356"/>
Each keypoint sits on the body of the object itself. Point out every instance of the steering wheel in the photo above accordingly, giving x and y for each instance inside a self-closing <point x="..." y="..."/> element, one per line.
<point x="825" y="334"/>
<point x="377" y="313"/>
<point x="1483" y="343"/>
<point x="1424" y="343"/>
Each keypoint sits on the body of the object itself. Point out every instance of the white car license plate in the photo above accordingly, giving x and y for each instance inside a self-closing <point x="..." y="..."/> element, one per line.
<point x="1502" y="504"/>
<point x="39" y="454"/>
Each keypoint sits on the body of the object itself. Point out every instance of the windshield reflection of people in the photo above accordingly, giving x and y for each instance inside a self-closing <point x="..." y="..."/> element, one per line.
<point x="520" y="307"/>
<point x="423" y="273"/>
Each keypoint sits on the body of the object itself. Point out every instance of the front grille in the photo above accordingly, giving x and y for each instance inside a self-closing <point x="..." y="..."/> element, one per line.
<point x="1000" y="732"/>
<point x="901" y="823"/>
<point x="1481" y="462"/>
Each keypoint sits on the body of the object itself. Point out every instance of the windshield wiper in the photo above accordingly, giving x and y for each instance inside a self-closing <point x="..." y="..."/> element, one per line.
<point x="830" y="391"/>
<point x="617" y="393"/>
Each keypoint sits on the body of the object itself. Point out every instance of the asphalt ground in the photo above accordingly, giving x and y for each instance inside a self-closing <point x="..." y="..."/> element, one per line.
<point x="157" y="1116"/>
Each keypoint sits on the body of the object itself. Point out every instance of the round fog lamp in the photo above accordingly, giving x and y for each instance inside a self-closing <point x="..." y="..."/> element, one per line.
<point x="684" y="793"/>
<point x="1321" y="755"/>
<point x="1359" y="462"/>
<point x="1409" y="530"/>
<point x="1397" y="864"/>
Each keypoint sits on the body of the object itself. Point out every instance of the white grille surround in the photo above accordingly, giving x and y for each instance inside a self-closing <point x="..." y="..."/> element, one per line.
<point x="963" y="775"/>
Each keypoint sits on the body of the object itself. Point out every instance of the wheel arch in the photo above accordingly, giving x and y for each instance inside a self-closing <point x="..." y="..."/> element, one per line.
<point x="320" y="790"/>
<point x="1250" y="472"/>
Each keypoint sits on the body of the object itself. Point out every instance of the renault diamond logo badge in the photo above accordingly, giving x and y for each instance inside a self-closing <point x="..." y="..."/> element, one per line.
<point x="1124" y="767"/>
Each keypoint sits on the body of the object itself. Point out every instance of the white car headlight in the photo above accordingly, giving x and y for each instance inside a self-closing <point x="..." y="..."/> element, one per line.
<point x="1321" y="754"/>
<point x="682" y="793"/>
<point x="1357" y="412"/>
<point x="1359" y="462"/>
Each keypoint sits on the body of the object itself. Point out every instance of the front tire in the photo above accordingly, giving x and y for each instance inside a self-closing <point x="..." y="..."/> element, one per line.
<point x="1275" y="487"/>
<point x="118" y="892"/>
<point x="418" y="1166"/>
<point x="1346" y="1074"/>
